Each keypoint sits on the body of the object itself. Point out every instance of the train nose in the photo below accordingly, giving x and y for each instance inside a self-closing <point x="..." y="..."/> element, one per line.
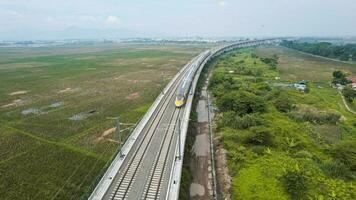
<point x="179" y="103"/>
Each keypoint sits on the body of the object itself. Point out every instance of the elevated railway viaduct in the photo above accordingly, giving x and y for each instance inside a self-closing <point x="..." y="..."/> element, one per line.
<point x="149" y="164"/>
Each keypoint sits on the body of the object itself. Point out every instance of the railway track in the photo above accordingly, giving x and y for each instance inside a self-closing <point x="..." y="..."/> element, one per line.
<point x="153" y="186"/>
<point x="122" y="187"/>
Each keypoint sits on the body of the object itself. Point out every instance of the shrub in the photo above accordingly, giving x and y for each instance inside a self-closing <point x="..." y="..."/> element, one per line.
<point x="345" y="152"/>
<point x="295" y="182"/>
<point x="349" y="94"/>
<point x="232" y="120"/>
<point x="259" y="88"/>
<point x="218" y="78"/>
<point x="270" y="61"/>
<point x="336" y="169"/>
<point x="259" y="150"/>
<point x="226" y="102"/>
<point x="313" y="115"/>
<point x="247" y="103"/>
<point x="241" y="102"/>
<point x="253" y="55"/>
<point x="292" y="143"/>
<point x="238" y="155"/>
<point x="303" y="154"/>
<point x="260" y="137"/>
<point x="283" y="104"/>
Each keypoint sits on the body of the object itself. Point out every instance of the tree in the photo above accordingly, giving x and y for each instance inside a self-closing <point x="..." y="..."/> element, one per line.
<point x="326" y="49"/>
<point x="338" y="74"/>
<point x="353" y="57"/>
<point x="339" y="77"/>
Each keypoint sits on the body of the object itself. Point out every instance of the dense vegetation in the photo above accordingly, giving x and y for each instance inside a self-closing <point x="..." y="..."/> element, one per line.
<point x="282" y="143"/>
<point x="342" y="52"/>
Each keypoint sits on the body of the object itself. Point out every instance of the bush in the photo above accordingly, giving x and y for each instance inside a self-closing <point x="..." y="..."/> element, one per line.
<point x="337" y="169"/>
<point x="345" y="152"/>
<point x="303" y="154"/>
<point x="238" y="155"/>
<point x="296" y="183"/>
<point x="219" y="78"/>
<point x="247" y="103"/>
<point x="283" y="104"/>
<point x="260" y="137"/>
<point x="270" y="61"/>
<point x="241" y="102"/>
<point x="253" y="55"/>
<point x="349" y="94"/>
<point x="259" y="88"/>
<point x="313" y="115"/>
<point x="259" y="150"/>
<point x="232" y="120"/>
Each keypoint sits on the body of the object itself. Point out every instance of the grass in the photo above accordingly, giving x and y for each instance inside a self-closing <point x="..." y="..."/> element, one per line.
<point x="294" y="65"/>
<point x="262" y="155"/>
<point x="47" y="155"/>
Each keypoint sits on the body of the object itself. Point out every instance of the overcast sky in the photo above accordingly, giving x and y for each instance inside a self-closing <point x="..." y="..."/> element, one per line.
<point x="52" y="19"/>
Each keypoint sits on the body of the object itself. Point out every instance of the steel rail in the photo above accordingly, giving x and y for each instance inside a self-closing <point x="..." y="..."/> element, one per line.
<point x="152" y="188"/>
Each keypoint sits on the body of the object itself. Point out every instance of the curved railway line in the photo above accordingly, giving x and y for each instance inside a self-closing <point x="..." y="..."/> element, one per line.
<point x="151" y="168"/>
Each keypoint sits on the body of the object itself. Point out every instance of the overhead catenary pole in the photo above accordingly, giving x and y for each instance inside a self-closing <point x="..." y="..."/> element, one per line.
<point x="162" y="83"/>
<point x="118" y="135"/>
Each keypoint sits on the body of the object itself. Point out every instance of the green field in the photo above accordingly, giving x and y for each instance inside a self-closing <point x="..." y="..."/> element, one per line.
<point x="295" y="66"/>
<point x="57" y="102"/>
<point x="283" y="143"/>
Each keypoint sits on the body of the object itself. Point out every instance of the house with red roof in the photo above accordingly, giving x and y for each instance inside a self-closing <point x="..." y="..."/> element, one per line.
<point x="352" y="79"/>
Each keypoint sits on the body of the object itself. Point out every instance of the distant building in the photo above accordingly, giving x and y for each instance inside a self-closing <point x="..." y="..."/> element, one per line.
<point x="339" y="86"/>
<point x="301" y="87"/>
<point x="302" y="82"/>
<point x="353" y="85"/>
<point x="352" y="79"/>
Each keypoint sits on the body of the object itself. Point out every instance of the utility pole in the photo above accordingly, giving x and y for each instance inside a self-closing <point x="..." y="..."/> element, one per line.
<point x="162" y="82"/>
<point x="117" y="136"/>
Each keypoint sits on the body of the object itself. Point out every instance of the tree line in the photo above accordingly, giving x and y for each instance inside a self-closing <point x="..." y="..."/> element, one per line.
<point x="341" y="52"/>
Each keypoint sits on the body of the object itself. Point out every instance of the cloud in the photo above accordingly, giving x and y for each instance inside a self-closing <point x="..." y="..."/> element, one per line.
<point x="222" y="2"/>
<point x="11" y="13"/>
<point x="113" y="20"/>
